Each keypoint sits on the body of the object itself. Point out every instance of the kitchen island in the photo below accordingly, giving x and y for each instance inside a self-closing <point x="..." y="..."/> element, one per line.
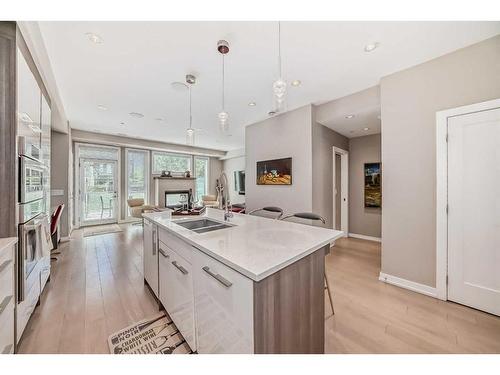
<point x="247" y="285"/>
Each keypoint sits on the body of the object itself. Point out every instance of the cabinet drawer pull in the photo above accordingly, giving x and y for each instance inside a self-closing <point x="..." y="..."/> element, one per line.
<point x="7" y="349"/>
<point x="4" y="303"/>
<point x="162" y="252"/>
<point x="180" y="268"/>
<point x="5" y="264"/>
<point x="219" y="278"/>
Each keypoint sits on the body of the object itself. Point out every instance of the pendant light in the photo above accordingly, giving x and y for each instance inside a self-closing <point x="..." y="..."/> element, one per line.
<point x="223" y="48"/>
<point x="279" y="86"/>
<point x="181" y="86"/>
<point x="191" y="80"/>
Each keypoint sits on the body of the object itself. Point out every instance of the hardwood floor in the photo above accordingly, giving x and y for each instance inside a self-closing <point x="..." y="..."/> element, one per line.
<point x="374" y="317"/>
<point x="97" y="288"/>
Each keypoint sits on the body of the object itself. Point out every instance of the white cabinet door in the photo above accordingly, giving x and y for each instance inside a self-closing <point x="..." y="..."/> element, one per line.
<point x="150" y="256"/>
<point x="164" y="272"/>
<point x="474" y="210"/>
<point x="180" y="297"/>
<point x="223" y="307"/>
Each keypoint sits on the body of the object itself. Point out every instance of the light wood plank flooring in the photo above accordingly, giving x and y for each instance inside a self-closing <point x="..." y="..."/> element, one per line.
<point x="97" y="288"/>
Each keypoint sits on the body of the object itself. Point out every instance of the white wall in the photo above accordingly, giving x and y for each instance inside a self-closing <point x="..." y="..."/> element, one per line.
<point x="229" y="166"/>
<point x="410" y="100"/>
<point x="282" y="136"/>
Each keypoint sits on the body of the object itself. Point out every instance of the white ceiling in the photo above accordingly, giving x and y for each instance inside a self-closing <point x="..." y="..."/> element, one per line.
<point x="364" y="118"/>
<point x="132" y="70"/>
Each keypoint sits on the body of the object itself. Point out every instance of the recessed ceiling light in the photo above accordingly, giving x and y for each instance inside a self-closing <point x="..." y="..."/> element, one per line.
<point x="370" y="47"/>
<point x="102" y="107"/>
<point x="365" y="129"/>
<point x="94" y="38"/>
<point x="136" y="114"/>
<point x="296" y="83"/>
<point x="252" y="104"/>
<point x="271" y="113"/>
<point x="349" y="116"/>
<point x="122" y="123"/>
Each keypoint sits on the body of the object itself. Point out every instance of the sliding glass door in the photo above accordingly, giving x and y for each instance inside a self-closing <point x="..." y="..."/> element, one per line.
<point x="137" y="175"/>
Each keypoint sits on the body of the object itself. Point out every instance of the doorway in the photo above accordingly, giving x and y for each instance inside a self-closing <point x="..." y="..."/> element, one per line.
<point x="469" y="257"/>
<point x="97" y="181"/>
<point x="341" y="190"/>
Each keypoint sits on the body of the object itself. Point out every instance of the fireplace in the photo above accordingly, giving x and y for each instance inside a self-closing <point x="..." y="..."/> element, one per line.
<point x="175" y="198"/>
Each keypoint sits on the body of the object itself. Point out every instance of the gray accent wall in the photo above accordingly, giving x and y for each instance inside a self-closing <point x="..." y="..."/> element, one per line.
<point x="60" y="176"/>
<point x="410" y="100"/>
<point x="294" y="134"/>
<point x="323" y="141"/>
<point x="285" y="135"/>
<point x="365" y="221"/>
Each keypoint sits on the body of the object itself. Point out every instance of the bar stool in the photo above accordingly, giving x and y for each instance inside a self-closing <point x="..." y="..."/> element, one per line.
<point x="316" y="217"/>
<point x="275" y="210"/>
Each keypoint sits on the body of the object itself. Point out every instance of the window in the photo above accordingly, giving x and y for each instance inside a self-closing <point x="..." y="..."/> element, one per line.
<point x="201" y="174"/>
<point x="163" y="161"/>
<point x="137" y="172"/>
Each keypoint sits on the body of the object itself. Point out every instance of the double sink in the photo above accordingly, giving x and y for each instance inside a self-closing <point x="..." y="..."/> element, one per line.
<point x="203" y="225"/>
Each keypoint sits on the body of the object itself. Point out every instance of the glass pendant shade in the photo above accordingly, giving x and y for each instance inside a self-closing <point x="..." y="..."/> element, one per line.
<point x="279" y="91"/>
<point x="190" y="136"/>
<point x="223" y="121"/>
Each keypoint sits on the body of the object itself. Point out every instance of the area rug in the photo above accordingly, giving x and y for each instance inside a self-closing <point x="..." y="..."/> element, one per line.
<point x="101" y="229"/>
<point x="158" y="335"/>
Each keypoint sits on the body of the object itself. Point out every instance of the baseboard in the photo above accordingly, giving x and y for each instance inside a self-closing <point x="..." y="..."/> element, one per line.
<point x="363" y="237"/>
<point x="407" y="284"/>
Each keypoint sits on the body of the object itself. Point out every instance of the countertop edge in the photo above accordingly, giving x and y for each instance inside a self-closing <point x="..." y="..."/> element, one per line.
<point x="235" y="267"/>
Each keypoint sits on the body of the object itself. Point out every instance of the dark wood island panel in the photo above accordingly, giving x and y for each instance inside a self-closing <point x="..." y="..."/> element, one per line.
<point x="289" y="308"/>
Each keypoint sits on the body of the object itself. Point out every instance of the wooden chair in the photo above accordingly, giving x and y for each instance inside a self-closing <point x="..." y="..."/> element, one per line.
<point x="314" y="217"/>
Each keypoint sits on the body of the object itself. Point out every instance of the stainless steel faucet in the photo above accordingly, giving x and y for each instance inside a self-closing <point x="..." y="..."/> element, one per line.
<point x="224" y="193"/>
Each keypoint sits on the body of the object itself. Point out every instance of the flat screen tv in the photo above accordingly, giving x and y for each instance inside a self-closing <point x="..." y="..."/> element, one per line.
<point x="239" y="182"/>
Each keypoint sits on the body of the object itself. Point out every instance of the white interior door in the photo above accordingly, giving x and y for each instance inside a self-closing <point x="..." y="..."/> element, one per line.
<point x="474" y="210"/>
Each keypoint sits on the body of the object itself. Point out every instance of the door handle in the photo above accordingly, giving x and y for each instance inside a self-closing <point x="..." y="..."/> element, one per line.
<point x="4" y="304"/>
<point x="221" y="279"/>
<point x="154" y="242"/>
<point x="163" y="253"/>
<point x="180" y="268"/>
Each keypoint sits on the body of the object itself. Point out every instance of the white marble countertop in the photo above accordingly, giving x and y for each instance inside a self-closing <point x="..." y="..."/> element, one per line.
<point x="6" y="242"/>
<point x="254" y="246"/>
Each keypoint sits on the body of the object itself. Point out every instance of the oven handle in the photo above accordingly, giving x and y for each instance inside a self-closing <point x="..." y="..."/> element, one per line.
<point x="24" y="228"/>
